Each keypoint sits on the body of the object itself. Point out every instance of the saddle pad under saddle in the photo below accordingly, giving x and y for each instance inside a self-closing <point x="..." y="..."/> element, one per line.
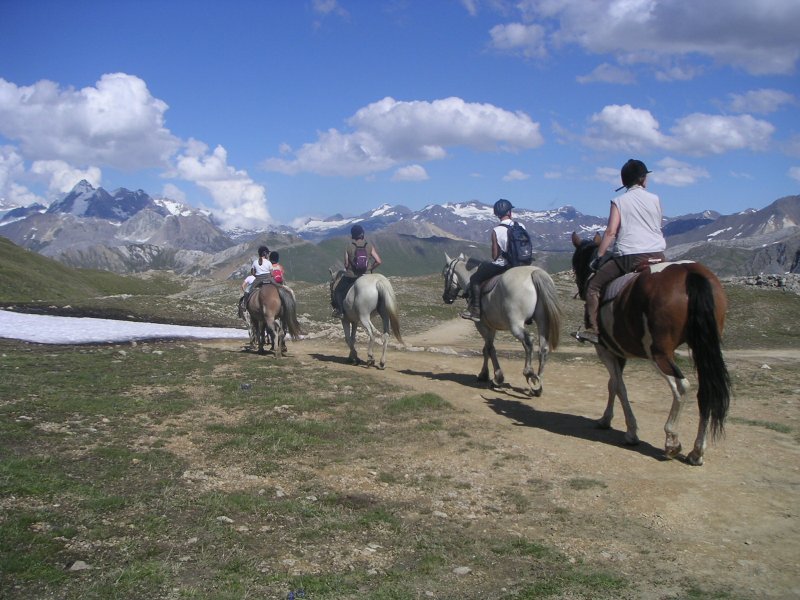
<point x="615" y="287"/>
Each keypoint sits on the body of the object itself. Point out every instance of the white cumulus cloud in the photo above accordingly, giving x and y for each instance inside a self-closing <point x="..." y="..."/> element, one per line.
<point x="758" y="37"/>
<point x="116" y="123"/>
<point x="515" y="175"/>
<point x="62" y="177"/>
<point x="410" y="173"/>
<point x="527" y="40"/>
<point x="632" y="129"/>
<point x="12" y="169"/>
<point x="669" y="171"/>
<point x="389" y="132"/>
<point x="794" y="173"/>
<point x="238" y="199"/>
<point x="762" y="101"/>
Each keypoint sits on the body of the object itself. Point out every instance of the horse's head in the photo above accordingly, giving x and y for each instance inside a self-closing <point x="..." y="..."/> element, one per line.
<point x="585" y="251"/>
<point x="456" y="272"/>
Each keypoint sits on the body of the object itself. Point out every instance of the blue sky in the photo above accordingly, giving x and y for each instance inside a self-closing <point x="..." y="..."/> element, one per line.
<point x="273" y="111"/>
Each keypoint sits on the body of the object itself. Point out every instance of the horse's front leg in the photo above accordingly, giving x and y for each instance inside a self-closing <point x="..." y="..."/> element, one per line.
<point x="616" y="387"/>
<point x="490" y="352"/>
<point x="350" y="338"/>
<point x="262" y="332"/>
<point x="279" y="344"/>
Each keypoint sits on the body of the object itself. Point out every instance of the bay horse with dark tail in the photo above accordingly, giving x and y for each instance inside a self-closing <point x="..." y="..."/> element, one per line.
<point x="273" y="311"/>
<point x="659" y="309"/>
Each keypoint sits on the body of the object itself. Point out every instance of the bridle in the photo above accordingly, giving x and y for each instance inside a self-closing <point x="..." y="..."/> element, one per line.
<point x="451" y="285"/>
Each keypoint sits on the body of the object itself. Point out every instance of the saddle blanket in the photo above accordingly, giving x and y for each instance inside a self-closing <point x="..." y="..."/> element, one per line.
<point x="615" y="287"/>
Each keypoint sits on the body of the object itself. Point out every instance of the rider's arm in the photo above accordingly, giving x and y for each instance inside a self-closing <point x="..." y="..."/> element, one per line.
<point x="495" y="246"/>
<point x="376" y="260"/>
<point x="611" y="231"/>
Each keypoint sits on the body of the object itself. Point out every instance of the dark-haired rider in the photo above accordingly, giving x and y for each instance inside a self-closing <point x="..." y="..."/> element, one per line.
<point x="634" y="228"/>
<point x="262" y="269"/>
<point x="348" y="278"/>
<point x="498" y="264"/>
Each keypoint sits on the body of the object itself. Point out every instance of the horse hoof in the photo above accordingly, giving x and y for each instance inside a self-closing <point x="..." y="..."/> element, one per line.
<point x="602" y="424"/>
<point x="536" y="392"/>
<point x="382" y="366"/>
<point x="631" y="440"/>
<point x="483" y="377"/>
<point x="695" y="459"/>
<point x="673" y="451"/>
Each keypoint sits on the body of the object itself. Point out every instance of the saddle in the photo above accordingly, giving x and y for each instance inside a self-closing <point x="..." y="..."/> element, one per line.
<point x="488" y="285"/>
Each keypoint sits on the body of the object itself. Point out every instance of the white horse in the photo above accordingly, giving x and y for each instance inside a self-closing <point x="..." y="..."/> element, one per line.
<point x="519" y="296"/>
<point x="370" y="294"/>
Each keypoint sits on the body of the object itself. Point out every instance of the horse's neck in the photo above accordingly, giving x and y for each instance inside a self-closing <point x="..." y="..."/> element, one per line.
<point x="464" y="275"/>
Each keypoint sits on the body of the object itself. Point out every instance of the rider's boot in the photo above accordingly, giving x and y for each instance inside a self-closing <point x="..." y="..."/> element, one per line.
<point x="473" y="312"/>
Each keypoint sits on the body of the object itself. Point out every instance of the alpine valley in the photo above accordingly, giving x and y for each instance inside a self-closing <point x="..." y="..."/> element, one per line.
<point x="128" y="231"/>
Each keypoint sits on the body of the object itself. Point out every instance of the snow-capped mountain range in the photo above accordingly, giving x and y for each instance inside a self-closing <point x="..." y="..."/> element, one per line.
<point x="129" y="230"/>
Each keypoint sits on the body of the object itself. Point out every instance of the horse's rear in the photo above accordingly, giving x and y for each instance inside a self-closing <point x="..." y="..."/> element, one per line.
<point x="665" y="306"/>
<point x="371" y="294"/>
<point x="660" y="310"/>
<point x="269" y="304"/>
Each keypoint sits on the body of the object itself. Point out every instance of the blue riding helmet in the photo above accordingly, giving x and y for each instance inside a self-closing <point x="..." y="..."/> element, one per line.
<point x="502" y="207"/>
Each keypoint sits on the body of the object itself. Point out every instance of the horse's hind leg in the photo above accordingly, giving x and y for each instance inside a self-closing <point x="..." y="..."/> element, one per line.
<point x="695" y="457"/>
<point x="534" y="379"/>
<point x="350" y="338"/>
<point x="672" y="446"/>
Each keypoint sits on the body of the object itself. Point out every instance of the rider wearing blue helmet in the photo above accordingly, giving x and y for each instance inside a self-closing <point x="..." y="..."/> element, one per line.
<point x="498" y="264"/>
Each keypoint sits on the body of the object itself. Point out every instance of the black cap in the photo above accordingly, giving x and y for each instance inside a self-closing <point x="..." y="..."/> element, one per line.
<point x="356" y="231"/>
<point x="631" y="172"/>
<point x="502" y="207"/>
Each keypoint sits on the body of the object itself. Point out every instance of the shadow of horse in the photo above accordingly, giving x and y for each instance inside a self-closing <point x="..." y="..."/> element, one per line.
<point x="339" y="360"/>
<point x="574" y="426"/>
<point x="460" y="378"/>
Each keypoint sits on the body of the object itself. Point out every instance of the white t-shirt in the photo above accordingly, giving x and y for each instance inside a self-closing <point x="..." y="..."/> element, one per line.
<point x="265" y="268"/>
<point x="501" y="232"/>
<point x="640" y="223"/>
<point x="248" y="282"/>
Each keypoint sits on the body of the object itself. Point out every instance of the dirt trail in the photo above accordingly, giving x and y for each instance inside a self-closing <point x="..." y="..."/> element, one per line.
<point x="732" y="523"/>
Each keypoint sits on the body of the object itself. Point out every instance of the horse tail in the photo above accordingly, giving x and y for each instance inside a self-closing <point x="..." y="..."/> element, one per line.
<point x="386" y="295"/>
<point x="547" y="298"/>
<point x="289" y="312"/>
<point x="703" y="337"/>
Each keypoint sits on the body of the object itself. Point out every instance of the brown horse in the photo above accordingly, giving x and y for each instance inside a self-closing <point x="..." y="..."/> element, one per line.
<point x="272" y="309"/>
<point x="658" y="310"/>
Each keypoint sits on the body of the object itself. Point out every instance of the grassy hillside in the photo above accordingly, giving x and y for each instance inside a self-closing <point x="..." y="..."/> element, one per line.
<point x="27" y="277"/>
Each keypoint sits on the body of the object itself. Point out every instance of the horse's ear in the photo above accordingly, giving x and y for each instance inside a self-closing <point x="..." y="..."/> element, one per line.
<point x="597" y="239"/>
<point x="461" y="256"/>
<point x="447" y="259"/>
<point x="576" y="239"/>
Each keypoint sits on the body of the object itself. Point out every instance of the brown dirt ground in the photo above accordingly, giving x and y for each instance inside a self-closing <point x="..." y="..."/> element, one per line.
<point x="731" y="524"/>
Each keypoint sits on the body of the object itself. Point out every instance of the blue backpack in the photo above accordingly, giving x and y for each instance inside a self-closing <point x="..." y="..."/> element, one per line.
<point x="519" y="250"/>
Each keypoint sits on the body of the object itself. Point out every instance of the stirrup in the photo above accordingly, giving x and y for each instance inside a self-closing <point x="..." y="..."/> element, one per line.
<point x="472" y="316"/>
<point x="586" y="336"/>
